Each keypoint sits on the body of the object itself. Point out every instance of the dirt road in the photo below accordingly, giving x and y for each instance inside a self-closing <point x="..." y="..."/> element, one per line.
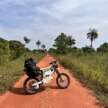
<point x="76" y="96"/>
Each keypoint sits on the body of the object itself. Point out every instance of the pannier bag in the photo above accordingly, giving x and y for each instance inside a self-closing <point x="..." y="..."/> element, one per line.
<point x="30" y="66"/>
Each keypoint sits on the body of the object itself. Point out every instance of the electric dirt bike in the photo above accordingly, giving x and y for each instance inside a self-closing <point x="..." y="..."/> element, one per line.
<point x="34" y="83"/>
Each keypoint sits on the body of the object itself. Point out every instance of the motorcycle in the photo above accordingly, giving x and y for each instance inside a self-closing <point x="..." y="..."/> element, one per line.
<point x="34" y="83"/>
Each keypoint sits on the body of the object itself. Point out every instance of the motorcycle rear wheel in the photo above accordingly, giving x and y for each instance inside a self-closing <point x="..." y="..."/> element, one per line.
<point x="28" y="85"/>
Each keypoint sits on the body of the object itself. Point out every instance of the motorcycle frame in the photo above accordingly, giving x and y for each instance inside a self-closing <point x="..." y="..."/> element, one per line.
<point x="53" y="69"/>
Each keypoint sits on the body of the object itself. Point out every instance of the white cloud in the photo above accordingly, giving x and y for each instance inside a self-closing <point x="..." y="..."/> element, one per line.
<point x="43" y="20"/>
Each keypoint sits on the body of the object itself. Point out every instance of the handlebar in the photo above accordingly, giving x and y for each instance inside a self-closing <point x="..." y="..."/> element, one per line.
<point x="53" y="62"/>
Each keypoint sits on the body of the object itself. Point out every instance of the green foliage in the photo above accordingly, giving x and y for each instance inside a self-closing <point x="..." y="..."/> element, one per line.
<point x="63" y="43"/>
<point x="103" y="48"/>
<point x="88" y="50"/>
<point x="91" y="70"/>
<point x="26" y="39"/>
<point x="92" y="35"/>
<point x="38" y="43"/>
<point x="43" y="46"/>
<point x="52" y="51"/>
<point x="16" y="49"/>
<point x="11" y="71"/>
<point x="4" y="51"/>
<point x="10" y="50"/>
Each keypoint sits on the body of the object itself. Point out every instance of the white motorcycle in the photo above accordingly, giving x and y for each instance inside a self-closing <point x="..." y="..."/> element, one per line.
<point x="32" y="84"/>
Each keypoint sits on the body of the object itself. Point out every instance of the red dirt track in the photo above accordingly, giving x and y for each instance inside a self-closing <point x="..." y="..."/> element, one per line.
<point x="76" y="96"/>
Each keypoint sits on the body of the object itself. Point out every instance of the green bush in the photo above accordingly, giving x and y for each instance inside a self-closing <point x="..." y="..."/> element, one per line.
<point x="16" y="49"/>
<point x="4" y="51"/>
<point x="10" y="50"/>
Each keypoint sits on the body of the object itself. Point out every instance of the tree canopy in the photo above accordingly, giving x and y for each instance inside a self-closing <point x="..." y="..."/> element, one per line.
<point x="92" y="35"/>
<point x="38" y="43"/>
<point x="16" y="48"/>
<point x="26" y="39"/>
<point x="103" y="48"/>
<point x="63" y="43"/>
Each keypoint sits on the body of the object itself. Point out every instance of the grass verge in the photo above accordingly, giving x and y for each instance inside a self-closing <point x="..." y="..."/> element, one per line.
<point x="11" y="71"/>
<point x="92" y="70"/>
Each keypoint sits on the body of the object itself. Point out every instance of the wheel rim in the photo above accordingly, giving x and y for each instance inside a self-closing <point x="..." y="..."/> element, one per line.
<point x="63" y="81"/>
<point x="29" y="86"/>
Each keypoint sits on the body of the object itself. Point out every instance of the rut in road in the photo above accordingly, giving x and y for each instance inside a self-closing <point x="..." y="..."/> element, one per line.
<point x="76" y="96"/>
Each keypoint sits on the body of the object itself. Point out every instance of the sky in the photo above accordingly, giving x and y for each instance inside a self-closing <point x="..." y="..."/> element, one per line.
<point x="45" y="19"/>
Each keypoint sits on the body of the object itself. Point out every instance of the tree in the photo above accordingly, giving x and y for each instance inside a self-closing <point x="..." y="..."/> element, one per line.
<point x="103" y="48"/>
<point x="4" y="51"/>
<point x="92" y="35"/>
<point x="26" y="39"/>
<point x="88" y="50"/>
<point x="63" y="43"/>
<point x="43" y="46"/>
<point x="52" y="50"/>
<point x="16" y="49"/>
<point x="38" y="43"/>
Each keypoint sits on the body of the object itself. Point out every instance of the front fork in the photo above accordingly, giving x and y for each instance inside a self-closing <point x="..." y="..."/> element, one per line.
<point x="59" y="75"/>
<point x="57" y="72"/>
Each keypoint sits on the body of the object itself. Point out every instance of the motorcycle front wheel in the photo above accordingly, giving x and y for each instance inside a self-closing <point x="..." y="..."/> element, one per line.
<point x="63" y="81"/>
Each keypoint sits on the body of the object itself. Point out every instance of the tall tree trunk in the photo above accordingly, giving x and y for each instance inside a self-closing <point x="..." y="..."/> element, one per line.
<point x="91" y="46"/>
<point x="38" y="47"/>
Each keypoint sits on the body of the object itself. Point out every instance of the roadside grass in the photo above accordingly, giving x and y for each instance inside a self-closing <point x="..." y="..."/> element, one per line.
<point x="11" y="71"/>
<point x="92" y="70"/>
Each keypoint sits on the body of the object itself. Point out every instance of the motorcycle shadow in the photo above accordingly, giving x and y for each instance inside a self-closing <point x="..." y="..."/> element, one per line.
<point x="21" y="91"/>
<point x="53" y="87"/>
